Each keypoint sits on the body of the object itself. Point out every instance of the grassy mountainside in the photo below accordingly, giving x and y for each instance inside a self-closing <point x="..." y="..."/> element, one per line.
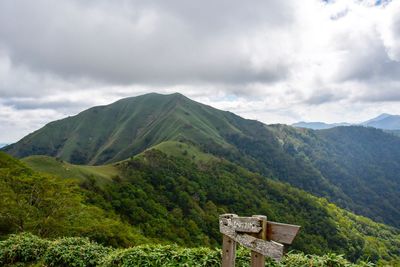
<point x="63" y="169"/>
<point x="124" y="128"/>
<point x="346" y="165"/>
<point x="178" y="197"/>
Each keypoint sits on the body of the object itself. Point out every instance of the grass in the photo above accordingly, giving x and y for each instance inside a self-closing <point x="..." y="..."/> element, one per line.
<point x="63" y="169"/>
<point x="179" y="149"/>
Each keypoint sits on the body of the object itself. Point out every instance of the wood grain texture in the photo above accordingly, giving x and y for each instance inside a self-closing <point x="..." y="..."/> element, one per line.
<point x="281" y="232"/>
<point x="243" y="224"/>
<point x="257" y="259"/>
<point x="266" y="248"/>
<point x="228" y="251"/>
<point x="258" y="235"/>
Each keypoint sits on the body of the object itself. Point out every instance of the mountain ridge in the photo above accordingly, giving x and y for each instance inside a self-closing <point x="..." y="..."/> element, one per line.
<point x="384" y="121"/>
<point x="315" y="161"/>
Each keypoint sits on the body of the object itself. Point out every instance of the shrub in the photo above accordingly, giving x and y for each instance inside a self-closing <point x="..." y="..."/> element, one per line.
<point x="170" y="255"/>
<point x="328" y="260"/>
<point x="75" y="251"/>
<point x="23" y="248"/>
<point x="158" y="255"/>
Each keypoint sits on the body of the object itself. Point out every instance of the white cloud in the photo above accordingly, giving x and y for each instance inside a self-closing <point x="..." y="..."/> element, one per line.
<point x="275" y="61"/>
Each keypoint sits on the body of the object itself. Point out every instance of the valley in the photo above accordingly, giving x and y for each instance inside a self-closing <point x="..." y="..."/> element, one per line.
<point x="164" y="167"/>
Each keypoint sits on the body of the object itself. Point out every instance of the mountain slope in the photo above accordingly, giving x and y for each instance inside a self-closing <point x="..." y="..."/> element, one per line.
<point x="384" y="121"/>
<point x="52" y="207"/>
<point x="331" y="163"/>
<point x="363" y="162"/>
<point x="318" y="125"/>
<point x="63" y="169"/>
<point x="117" y="131"/>
<point x="177" y="198"/>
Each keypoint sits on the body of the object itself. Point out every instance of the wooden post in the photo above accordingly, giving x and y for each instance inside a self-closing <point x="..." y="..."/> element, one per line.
<point x="256" y="234"/>
<point x="257" y="259"/>
<point x="228" y="251"/>
<point x="228" y="246"/>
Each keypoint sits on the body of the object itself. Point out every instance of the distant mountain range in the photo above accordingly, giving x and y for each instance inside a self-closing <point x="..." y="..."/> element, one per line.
<point x="384" y="121"/>
<point x="2" y="145"/>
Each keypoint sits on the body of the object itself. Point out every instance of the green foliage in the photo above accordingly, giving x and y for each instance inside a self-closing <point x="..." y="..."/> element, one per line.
<point x="128" y="126"/>
<point x="22" y="248"/>
<point x="38" y="203"/>
<point x="328" y="260"/>
<point x="153" y="255"/>
<point x="180" y="201"/>
<point x="53" y="207"/>
<point x="359" y="165"/>
<point x="353" y="167"/>
<point x="75" y="251"/>
<point x="28" y="249"/>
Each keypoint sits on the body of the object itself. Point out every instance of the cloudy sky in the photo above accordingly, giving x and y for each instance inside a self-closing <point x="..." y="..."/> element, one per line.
<point x="270" y="60"/>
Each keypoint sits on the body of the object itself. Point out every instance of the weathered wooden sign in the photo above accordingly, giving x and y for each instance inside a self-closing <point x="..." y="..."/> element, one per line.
<point x="263" y="238"/>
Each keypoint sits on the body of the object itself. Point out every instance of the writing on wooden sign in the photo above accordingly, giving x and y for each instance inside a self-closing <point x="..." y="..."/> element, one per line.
<point x="262" y="237"/>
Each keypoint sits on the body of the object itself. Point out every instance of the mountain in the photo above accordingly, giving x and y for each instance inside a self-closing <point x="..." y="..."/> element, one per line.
<point x="2" y="145"/>
<point x="377" y="119"/>
<point x="318" y="125"/>
<point x="384" y="121"/>
<point x="115" y="132"/>
<point x="175" y="192"/>
<point x="355" y="167"/>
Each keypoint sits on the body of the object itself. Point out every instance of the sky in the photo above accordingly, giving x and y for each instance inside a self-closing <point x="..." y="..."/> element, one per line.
<point x="275" y="61"/>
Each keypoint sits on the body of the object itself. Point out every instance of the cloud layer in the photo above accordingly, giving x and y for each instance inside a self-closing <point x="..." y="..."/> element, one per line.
<point x="276" y="61"/>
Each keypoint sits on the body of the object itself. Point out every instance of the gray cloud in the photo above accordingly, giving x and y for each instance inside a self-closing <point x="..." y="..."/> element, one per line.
<point x="275" y="61"/>
<point x="323" y="96"/>
<point x="384" y="91"/>
<point x="53" y="104"/>
<point x="140" y="42"/>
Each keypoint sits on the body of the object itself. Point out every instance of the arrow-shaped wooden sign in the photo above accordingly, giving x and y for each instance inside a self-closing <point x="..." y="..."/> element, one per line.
<point x="282" y="232"/>
<point x="257" y="234"/>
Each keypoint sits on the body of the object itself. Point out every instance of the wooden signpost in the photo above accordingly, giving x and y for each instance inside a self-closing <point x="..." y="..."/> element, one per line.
<point x="262" y="237"/>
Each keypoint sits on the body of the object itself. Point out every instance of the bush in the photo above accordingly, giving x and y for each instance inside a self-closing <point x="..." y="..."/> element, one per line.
<point x="23" y="248"/>
<point x="328" y="260"/>
<point x="168" y="256"/>
<point x="75" y="251"/>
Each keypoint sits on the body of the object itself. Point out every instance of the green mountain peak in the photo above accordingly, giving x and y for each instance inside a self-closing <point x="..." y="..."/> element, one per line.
<point x="350" y="166"/>
<point x="124" y="128"/>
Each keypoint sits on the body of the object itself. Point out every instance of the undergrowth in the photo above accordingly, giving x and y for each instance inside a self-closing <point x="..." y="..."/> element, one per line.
<point x="29" y="250"/>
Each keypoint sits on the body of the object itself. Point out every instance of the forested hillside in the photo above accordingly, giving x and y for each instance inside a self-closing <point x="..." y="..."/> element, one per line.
<point x="52" y="207"/>
<point x="178" y="198"/>
<point x="362" y="163"/>
<point x="351" y="166"/>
